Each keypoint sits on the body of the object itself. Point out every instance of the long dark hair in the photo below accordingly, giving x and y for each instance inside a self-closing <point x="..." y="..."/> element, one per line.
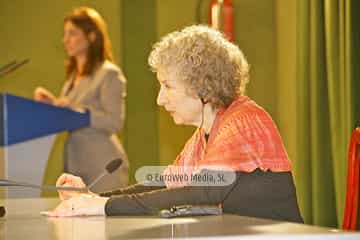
<point x="90" y="21"/>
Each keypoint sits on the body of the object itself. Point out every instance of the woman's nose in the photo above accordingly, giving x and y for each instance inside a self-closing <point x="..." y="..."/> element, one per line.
<point x="161" y="98"/>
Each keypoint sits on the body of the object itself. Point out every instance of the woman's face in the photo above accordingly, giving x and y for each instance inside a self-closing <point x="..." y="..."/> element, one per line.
<point x="183" y="107"/>
<point x="76" y="42"/>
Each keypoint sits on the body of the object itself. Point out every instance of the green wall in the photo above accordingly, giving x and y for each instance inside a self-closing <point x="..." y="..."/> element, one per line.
<point x="141" y="130"/>
<point x="286" y="72"/>
<point x="256" y="36"/>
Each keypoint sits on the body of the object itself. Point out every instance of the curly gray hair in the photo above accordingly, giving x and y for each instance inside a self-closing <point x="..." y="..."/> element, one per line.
<point x="209" y="64"/>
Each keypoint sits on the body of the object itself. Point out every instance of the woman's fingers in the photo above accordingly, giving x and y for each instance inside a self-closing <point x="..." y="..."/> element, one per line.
<point x="68" y="180"/>
<point x="43" y="95"/>
<point x="62" y="179"/>
<point x="62" y="102"/>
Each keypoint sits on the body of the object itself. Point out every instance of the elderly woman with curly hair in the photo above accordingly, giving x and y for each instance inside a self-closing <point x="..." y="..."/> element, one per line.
<point x="202" y="80"/>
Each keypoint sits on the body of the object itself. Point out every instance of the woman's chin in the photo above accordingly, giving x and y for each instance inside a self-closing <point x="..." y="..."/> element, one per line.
<point x="177" y="121"/>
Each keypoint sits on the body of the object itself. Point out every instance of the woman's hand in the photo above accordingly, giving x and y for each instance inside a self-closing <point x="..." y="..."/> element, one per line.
<point x="68" y="180"/>
<point x="43" y="95"/>
<point x="62" y="102"/>
<point x="65" y="102"/>
<point x="82" y="205"/>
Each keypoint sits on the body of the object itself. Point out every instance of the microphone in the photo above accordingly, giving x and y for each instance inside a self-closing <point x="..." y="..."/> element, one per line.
<point x="12" y="66"/>
<point x="110" y="168"/>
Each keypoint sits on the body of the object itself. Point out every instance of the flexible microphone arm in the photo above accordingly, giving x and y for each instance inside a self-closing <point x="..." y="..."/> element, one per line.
<point x="12" y="67"/>
<point x="3" y="68"/>
<point x="10" y="183"/>
<point x="110" y="168"/>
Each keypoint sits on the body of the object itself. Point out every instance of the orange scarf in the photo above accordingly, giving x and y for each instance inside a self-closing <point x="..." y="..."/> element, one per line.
<point x="243" y="138"/>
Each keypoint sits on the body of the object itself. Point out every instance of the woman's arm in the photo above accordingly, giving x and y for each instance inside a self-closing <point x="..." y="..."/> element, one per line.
<point x="145" y="203"/>
<point x="150" y="203"/>
<point x="132" y="189"/>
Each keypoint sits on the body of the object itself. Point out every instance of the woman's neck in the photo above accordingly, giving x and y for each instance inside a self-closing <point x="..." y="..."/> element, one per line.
<point x="80" y="63"/>
<point x="209" y="118"/>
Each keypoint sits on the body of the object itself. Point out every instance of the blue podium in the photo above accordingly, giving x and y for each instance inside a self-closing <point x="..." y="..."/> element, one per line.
<point x="27" y="131"/>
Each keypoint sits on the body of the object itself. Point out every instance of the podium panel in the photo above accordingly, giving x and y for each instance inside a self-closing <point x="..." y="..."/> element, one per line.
<point x="27" y="131"/>
<point x="26" y="162"/>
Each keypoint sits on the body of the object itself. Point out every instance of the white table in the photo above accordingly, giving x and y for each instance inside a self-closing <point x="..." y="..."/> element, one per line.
<point x="23" y="221"/>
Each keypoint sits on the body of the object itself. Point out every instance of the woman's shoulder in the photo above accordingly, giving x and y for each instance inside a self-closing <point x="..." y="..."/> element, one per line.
<point x="243" y="112"/>
<point x="108" y="66"/>
<point x="110" y="70"/>
<point x="243" y="106"/>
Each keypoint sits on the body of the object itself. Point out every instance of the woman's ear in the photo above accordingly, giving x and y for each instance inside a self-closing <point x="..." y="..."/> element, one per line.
<point x="92" y="37"/>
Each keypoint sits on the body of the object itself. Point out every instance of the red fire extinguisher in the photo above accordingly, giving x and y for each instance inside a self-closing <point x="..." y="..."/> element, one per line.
<point x="221" y="17"/>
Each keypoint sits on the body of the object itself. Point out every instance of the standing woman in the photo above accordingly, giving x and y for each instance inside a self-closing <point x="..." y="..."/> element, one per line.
<point x="96" y="85"/>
